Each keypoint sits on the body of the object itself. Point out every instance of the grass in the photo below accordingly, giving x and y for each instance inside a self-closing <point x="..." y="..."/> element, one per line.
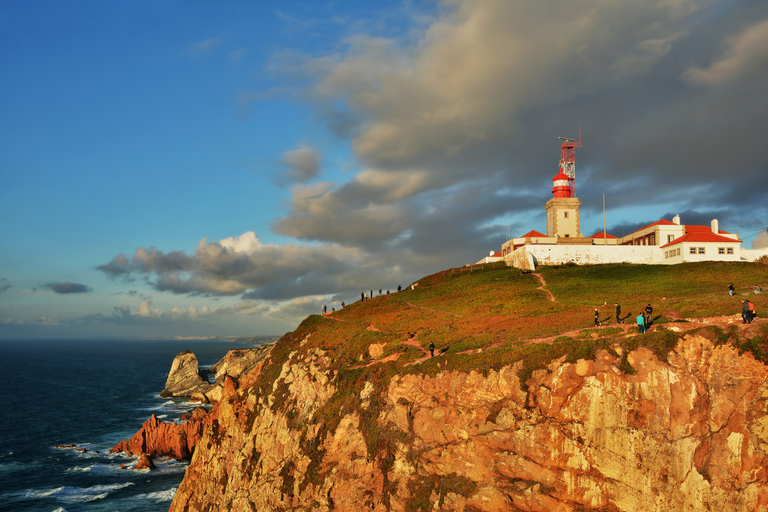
<point x="482" y="321"/>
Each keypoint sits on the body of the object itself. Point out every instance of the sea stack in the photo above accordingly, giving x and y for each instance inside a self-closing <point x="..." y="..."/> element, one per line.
<point x="184" y="377"/>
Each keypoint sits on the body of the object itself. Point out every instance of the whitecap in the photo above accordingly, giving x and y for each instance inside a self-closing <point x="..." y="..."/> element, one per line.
<point x="159" y="496"/>
<point x="71" y="495"/>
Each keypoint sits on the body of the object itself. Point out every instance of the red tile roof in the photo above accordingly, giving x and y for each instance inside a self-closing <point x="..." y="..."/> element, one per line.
<point x="533" y="234"/>
<point x="701" y="236"/>
<point x="698" y="229"/>
<point x="600" y="235"/>
<point x="661" y="222"/>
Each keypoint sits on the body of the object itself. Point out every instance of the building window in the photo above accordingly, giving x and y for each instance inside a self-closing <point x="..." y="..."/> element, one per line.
<point x="565" y="215"/>
<point x="567" y="236"/>
<point x="670" y="238"/>
<point x="678" y="251"/>
<point x="666" y="254"/>
<point x="701" y="250"/>
<point x="721" y="250"/>
<point x="693" y="250"/>
<point x="730" y="250"/>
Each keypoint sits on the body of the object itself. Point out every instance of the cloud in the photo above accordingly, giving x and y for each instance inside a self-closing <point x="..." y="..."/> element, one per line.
<point x="760" y="241"/>
<point x="67" y="288"/>
<point x="453" y="128"/>
<point x="301" y="164"/>
<point x="235" y="265"/>
<point x="745" y="56"/>
<point x="488" y="86"/>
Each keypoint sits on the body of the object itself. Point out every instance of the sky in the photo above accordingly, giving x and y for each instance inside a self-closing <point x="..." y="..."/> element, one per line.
<point x="195" y="168"/>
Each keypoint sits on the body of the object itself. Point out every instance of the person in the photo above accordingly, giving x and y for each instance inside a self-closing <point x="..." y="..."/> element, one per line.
<point x="751" y="314"/>
<point x="757" y="289"/>
<point x="744" y="311"/>
<point x="342" y="304"/>
<point x="618" y="313"/>
<point x="399" y="288"/>
<point x="371" y="295"/>
<point x="362" y="296"/>
<point x="730" y="289"/>
<point x="379" y="291"/>
<point x="648" y="315"/>
<point x="597" y="317"/>
<point x="324" y="309"/>
<point x="641" y="322"/>
<point x="432" y="348"/>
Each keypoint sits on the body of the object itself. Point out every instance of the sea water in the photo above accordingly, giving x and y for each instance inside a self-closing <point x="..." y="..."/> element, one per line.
<point x="92" y="394"/>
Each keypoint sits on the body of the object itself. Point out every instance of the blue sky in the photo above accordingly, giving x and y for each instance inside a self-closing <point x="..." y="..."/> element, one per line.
<point x="203" y="169"/>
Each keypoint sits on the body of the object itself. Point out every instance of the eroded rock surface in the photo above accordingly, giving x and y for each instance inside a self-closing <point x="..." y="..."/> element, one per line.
<point x="688" y="434"/>
<point x="184" y="378"/>
<point x="175" y="440"/>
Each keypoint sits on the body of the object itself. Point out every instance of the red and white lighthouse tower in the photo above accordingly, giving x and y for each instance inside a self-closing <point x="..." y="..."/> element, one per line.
<point x="561" y="185"/>
<point x="563" y="209"/>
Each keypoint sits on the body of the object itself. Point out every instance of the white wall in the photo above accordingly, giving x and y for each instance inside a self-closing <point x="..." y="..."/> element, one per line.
<point x="595" y="254"/>
<point x="753" y="254"/>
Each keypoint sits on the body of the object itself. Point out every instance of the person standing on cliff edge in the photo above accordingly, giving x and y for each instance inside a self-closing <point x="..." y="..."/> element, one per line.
<point x="730" y="289"/>
<point x="618" y="313"/>
<point x="432" y="348"/>
<point x="597" y="317"/>
<point x="641" y="323"/>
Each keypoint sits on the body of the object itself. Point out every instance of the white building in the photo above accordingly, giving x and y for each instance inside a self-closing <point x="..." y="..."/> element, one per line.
<point x="663" y="242"/>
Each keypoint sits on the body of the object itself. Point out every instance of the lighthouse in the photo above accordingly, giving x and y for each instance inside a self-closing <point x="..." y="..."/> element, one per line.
<point x="561" y="185"/>
<point x="563" y="208"/>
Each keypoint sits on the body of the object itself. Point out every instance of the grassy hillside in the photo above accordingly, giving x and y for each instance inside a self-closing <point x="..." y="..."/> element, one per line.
<point x="485" y="319"/>
<point x="490" y="317"/>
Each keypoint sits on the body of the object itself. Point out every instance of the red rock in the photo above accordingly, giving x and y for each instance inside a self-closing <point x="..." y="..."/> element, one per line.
<point x="168" y="439"/>
<point x="145" y="462"/>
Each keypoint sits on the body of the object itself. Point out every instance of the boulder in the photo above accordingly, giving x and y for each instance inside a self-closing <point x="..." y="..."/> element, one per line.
<point x="145" y="462"/>
<point x="185" y="377"/>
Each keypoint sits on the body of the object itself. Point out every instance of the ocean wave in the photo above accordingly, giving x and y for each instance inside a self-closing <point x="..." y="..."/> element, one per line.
<point x="68" y="495"/>
<point x="158" y="496"/>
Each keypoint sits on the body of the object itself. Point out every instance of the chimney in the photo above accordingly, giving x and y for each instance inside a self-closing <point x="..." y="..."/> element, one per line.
<point x="676" y="219"/>
<point x="715" y="227"/>
<point x="492" y="253"/>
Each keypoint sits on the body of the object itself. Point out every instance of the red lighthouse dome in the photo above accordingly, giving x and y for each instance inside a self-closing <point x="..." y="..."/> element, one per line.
<point x="561" y="185"/>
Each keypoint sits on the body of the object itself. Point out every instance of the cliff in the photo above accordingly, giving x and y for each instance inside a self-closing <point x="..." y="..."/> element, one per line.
<point x="518" y="411"/>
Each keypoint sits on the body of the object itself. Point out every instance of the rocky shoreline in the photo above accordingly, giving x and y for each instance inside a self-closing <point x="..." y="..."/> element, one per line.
<point x="186" y="379"/>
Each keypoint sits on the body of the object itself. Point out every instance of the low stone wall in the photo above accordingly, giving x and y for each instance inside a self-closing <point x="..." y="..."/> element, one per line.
<point x="584" y="255"/>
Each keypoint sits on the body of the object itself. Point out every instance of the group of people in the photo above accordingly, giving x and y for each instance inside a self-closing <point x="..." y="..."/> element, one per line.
<point x="747" y="308"/>
<point x="364" y="297"/>
<point x="644" y="319"/>
<point x="756" y="288"/>
<point x="747" y="311"/>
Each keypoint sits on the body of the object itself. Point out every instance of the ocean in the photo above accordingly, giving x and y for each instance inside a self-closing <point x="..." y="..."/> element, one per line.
<point x="92" y="394"/>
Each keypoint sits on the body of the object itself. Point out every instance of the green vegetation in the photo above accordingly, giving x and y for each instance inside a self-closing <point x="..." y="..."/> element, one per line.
<point x="484" y="320"/>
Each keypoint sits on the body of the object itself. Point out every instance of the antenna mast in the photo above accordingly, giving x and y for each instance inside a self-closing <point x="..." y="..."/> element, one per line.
<point x="568" y="159"/>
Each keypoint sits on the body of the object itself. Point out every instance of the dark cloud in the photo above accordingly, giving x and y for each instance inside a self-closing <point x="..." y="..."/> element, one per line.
<point x="454" y="128"/>
<point x="67" y="288"/>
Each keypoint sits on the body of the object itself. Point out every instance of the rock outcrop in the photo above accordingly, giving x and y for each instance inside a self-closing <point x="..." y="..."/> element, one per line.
<point x="185" y="377"/>
<point x="686" y="433"/>
<point x="233" y="365"/>
<point x="175" y="440"/>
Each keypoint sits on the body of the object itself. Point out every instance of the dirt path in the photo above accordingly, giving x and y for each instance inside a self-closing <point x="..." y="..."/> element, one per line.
<point x="550" y="297"/>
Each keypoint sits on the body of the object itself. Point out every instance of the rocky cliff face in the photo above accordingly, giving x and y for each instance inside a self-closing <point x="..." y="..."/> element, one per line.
<point x="686" y="434"/>
<point x="185" y="377"/>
